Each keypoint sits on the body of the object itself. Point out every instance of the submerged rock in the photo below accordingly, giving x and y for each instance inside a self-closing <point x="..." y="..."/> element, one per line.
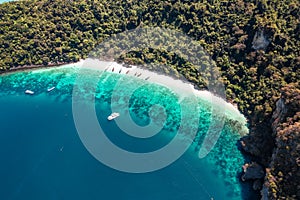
<point x="259" y="143"/>
<point x="249" y="146"/>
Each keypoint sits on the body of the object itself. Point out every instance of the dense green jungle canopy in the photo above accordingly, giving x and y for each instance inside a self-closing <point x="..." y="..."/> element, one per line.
<point x="47" y="32"/>
<point x="254" y="43"/>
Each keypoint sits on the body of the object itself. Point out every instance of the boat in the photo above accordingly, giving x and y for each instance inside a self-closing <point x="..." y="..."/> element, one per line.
<point x="50" y="89"/>
<point x="113" y="116"/>
<point x="29" y="92"/>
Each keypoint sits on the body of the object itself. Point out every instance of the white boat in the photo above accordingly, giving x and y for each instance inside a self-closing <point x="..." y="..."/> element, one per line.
<point x="29" y="92"/>
<point x="50" y="89"/>
<point x="113" y="116"/>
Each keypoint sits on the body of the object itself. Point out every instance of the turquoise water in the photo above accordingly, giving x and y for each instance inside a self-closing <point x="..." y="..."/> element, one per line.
<point x="43" y="157"/>
<point x="2" y="1"/>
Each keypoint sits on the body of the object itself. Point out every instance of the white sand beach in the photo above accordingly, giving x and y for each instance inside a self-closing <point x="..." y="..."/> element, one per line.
<point x="179" y="86"/>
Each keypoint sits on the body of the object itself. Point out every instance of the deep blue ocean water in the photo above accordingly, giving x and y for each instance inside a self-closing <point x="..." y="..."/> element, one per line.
<point x="42" y="156"/>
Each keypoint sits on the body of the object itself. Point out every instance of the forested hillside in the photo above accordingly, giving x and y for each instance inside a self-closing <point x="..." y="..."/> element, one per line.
<point x="255" y="44"/>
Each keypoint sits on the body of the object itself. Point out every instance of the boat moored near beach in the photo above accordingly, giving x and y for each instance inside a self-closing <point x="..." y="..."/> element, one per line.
<point x="113" y="116"/>
<point x="50" y="89"/>
<point x="29" y="92"/>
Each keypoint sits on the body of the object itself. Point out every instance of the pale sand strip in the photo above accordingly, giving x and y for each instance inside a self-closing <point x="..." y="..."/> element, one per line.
<point x="181" y="87"/>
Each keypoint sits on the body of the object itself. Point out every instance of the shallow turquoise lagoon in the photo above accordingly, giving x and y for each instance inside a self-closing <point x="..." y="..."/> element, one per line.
<point x="42" y="156"/>
<point x="3" y="1"/>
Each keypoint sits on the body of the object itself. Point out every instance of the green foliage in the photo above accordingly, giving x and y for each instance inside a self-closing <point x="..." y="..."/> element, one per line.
<point x="283" y="177"/>
<point x="49" y="32"/>
<point x="54" y="32"/>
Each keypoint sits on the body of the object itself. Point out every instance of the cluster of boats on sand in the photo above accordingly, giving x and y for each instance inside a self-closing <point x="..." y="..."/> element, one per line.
<point x="32" y="92"/>
<point x="127" y="72"/>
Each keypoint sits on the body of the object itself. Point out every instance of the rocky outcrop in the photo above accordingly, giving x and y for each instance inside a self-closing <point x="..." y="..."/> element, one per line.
<point x="260" y="41"/>
<point x="282" y="180"/>
<point x="276" y="146"/>
<point x="279" y="114"/>
<point x="264" y="193"/>
<point x="259" y="143"/>
<point x="252" y="171"/>
<point x="257" y="185"/>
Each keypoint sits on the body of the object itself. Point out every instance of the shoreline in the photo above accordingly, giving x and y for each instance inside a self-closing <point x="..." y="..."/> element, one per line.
<point x="239" y="124"/>
<point x="34" y="67"/>
<point x="230" y="110"/>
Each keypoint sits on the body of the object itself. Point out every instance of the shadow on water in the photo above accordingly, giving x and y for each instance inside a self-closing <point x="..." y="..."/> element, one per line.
<point x="248" y="193"/>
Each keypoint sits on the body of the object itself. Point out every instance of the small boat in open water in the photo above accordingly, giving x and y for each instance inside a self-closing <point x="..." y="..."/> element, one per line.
<point x="50" y="89"/>
<point x="113" y="116"/>
<point x="29" y="92"/>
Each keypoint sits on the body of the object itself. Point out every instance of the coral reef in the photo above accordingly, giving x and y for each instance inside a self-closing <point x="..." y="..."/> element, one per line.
<point x="255" y="44"/>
